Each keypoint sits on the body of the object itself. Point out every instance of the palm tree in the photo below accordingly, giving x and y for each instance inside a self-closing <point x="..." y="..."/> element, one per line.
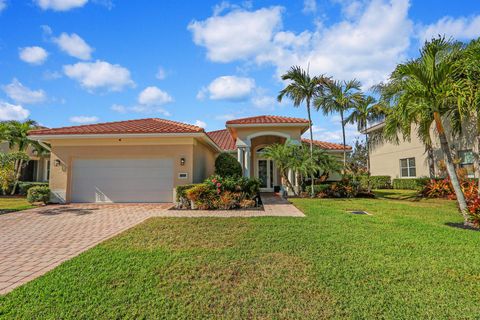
<point x="340" y="97"/>
<point x="303" y="88"/>
<point x="365" y="112"/>
<point x="16" y="134"/>
<point x="421" y="94"/>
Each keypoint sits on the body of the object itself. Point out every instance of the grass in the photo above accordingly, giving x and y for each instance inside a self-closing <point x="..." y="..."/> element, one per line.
<point x="11" y="204"/>
<point x="404" y="261"/>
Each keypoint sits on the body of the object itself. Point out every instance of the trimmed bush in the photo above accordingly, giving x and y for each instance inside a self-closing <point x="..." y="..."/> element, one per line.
<point x="24" y="186"/>
<point x="318" y="188"/>
<point x="38" y="194"/>
<point x="410" y="183"/>
<point x="227" y="166"/>
<point x="181" y="191"/>
<point x="376" y="182"/>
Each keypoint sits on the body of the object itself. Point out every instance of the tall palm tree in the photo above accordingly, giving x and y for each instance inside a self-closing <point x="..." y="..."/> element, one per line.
<point x="365" y="112"/>
<point x="16" y="134"/>
<point x="422" y="94"/>
<point x="339" y="97"/>
<point x="303" y="88"/>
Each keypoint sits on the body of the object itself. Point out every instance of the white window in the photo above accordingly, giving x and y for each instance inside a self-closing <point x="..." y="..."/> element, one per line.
<point x="466" y="161"/>
<point x="407" y="168"/>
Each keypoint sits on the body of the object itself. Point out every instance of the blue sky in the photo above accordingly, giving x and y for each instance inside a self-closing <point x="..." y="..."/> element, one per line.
<point x="68" y="62"/>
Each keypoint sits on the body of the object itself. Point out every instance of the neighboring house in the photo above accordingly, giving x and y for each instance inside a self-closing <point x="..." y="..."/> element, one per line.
<point x="143" y="160"/>
<point x="37" y="169"/>
<point x="409" y="159"/>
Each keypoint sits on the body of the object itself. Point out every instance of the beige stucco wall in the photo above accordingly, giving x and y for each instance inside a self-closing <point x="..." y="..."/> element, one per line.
<point x="294" y="132"/>
<point x="385" y="156"/>
<point x="69" y="150"/>
<point x="203" y="161"/>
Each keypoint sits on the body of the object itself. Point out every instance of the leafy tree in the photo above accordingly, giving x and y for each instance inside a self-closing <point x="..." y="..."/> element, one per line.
<point x="421" y="94"/>
<point x="227" y="166"/>
<point x="16" y="134"/>
<point x="303" y="88"/>
<point x="340" y="97"/>
<point x="357" y="160"/>
<point x="8" y="170"/>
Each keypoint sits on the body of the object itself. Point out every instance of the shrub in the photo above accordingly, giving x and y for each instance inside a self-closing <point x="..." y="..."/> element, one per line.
<point x="24" y="186"/>
<point x="227" y="166"/>
<point x="318" y="188"/>
<point x="346" y="188"/>
<point x="203" y="196"/>
<point x="376" y="182"/>
<point x="181" y="199"/>
<point x="247" y="203"/>
<point x="410" y="183"/>
<point x="38" y="194"/>
<point x="250" y="187"/>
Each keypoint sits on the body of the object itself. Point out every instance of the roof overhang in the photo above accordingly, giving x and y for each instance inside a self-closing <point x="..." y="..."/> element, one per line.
<point x="375" y="127"/>
<point x="233" y="126"/>
<point x="199" y="135"/>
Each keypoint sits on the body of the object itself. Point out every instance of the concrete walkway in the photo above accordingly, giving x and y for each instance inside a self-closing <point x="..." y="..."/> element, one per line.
<point x="35" y="241"/>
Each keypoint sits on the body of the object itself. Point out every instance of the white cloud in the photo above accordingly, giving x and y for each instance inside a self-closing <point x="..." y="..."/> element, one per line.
<point x="366" y="44"/>
<point x="200" y="123"/>
<point x="462" y="28"/>
<point x="119" y="108"/>
<point x="3" y="5"/>
<point x="240" y="34"/>
<point x="225" y="117"/>
<point x="74" y="46"/>
<point x="153" y="96"/>
<point x="309" y="6"/>
<point x="12" y="112"/>
<point x="33" y="55"/>
<point x="51" y="75"/>
<point x="264" y="102"/>
<point x="333" y="135"/>
<point x="231" y="88"/>
<point x="161" y="74"/>
<point x="84" y="119"/>
<point x="60" y="5"/>
<point x="99" y="74"/>
<point x="23" y="95"/>
<point x="140" y="109"/>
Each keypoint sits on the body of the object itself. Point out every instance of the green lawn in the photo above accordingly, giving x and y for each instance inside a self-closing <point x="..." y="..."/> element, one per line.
<point x="404" y="261"/>
<point x="9" y="204"/>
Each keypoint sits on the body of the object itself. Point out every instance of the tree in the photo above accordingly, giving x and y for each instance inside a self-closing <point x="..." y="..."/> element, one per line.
<point x="339" y="97"/>
<point x="357" y="160"/>
<point x="303" y="88"/>
<point x="300" y="160"/>
<point x="16" y="134"/>
<point x="227" y="166"/>
<point x="7" y="168"/>
<point x="422" y="95"/>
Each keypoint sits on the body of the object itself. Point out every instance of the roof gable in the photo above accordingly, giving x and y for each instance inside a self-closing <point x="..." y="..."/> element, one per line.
<point x="267" y="119"/>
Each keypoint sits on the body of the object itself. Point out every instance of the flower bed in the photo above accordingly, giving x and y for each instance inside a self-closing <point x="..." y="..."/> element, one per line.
<point x="219" y="193"/>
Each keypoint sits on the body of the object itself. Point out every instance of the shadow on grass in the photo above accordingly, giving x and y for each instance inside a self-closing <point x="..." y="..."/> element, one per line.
<point x="410" y="195"/>
<point x="460" y="225"/>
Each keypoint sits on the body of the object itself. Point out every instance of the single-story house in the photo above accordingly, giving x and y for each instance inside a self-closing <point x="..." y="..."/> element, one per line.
<point x="144" y="160"/>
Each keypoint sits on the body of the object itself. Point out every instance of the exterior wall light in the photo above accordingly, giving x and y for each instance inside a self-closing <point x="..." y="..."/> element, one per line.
<point x="57" y="163"/>
<point x="182" y="161"/>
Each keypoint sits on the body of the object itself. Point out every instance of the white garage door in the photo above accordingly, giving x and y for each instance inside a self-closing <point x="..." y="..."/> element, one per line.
<point x="122" y="180"/>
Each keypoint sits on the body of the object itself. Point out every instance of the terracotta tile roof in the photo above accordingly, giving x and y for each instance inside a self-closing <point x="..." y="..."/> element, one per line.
<point x="152" y="125"/>
<point x="223" y="139"/>
<point x="327" y="145"/>
<point x="267" y="119"/>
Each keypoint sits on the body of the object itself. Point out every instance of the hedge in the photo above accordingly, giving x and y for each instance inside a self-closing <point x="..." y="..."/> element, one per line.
<point x="38" y="194"/>
<point x="227" y="165"/>
<point x="410" y="183"/>
<point x="376" y="182"/>
<point x="24" y="186"/>
<point x="317" y="188"/>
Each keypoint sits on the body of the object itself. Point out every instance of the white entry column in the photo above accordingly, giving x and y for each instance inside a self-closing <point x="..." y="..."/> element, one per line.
<point x="240" y="156"/>
<point x="246" y="172"/>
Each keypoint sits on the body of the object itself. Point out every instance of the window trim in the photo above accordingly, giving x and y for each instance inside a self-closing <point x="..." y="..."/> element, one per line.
<point x="408" y="167"/>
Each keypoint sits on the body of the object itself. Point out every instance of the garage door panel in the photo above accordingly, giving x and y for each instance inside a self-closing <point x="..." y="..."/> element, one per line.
<point x="122" y="180"/>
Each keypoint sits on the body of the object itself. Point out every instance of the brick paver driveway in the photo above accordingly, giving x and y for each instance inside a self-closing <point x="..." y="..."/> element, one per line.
<point x="35" y="241"/>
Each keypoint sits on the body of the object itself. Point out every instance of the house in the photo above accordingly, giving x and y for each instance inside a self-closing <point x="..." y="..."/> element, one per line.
<point x="37" y="169"/>
<point x="144" y="160"/>
<point x="410" y="159"/>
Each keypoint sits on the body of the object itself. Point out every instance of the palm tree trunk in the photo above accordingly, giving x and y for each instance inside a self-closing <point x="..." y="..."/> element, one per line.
<point x="312" y="193"/>
<point x="18" y="171"/>
<point x="462" y="204"/>
<point x="369" y="185"/>
<point x="289" y="184"/>
<point x="431" y="161"/>
<point x="344" y="142"/>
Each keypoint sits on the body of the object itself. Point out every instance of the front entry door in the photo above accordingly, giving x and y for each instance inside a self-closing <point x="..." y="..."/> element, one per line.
<point x="265" y="173"/>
